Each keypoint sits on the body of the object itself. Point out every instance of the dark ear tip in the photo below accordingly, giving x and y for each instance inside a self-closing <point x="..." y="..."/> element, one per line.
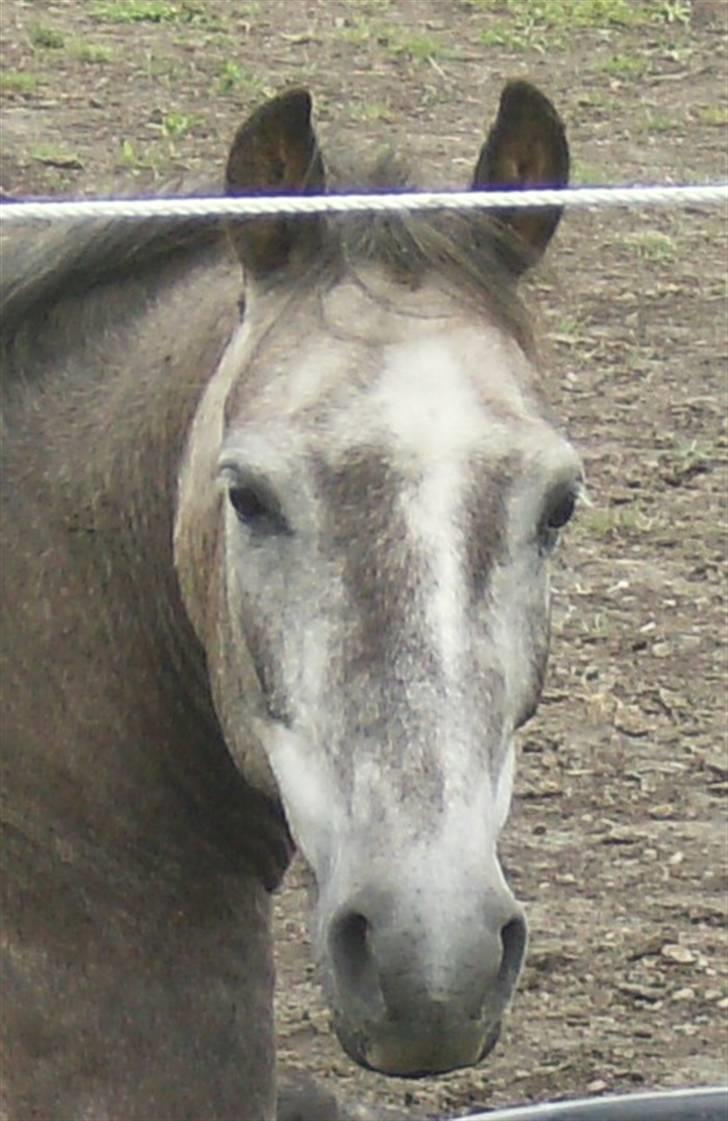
<point x="296" y="104"/>
<point x="520" y="97"/>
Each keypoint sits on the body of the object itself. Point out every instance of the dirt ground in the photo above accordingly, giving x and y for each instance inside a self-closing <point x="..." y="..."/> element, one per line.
<point x="617" y="841"/>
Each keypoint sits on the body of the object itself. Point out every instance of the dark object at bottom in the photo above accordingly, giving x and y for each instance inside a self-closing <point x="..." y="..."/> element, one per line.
<point x="709" y="1104"/>
<point x="301" y="1099"/>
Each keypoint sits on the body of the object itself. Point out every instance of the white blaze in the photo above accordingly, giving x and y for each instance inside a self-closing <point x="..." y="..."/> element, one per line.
<point x="433" y="433"/>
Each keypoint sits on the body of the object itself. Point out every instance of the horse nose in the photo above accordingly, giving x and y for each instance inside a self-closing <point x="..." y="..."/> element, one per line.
<point x="379" y="973"/>
<point x="421" y="993"/>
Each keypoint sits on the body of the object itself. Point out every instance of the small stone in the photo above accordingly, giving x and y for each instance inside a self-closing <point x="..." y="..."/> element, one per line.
<point x="718" y="764"/>
<point x="621" y="835"/>
<point x="676" y="858"/>
<point x="598" y="1086"/>
<point x="662" y="649"/>
<point x="650" y="994"/>
<point x="648" y="948"/>
<point x="684" y="994"/>
<point x="631" y="721"/>
<point x="664" y="810"/>
<point x="680" y="955"/>
<point x="723" y="1003"/>
<point x="672" y="700"/>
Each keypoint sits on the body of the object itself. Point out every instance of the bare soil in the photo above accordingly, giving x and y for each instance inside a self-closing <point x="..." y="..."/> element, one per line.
<point x="617" y="842"/>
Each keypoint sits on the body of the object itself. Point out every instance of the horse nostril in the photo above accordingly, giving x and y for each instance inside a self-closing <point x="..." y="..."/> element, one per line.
<point x="513" y="941"/>
<point x="351" y="953"/>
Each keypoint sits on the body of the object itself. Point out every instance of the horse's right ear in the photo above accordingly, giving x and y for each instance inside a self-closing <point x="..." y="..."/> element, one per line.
<point x="276" y="152"/>
<point x="526" y="147"/>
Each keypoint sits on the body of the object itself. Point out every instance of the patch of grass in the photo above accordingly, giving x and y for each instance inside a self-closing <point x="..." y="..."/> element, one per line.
<point x="578" y="13"/>
<point x="95" y="53"/>
<point x="537" y="24"/>
<point x="153" y="11"/>
<point x="175" y="125"/>
<point x="626" y="66"/>
<point x="673" y="11"/>
<point x="652" y="245"/>
<point x="18" y="81"/>
<point x="370" y="5"/>
<point x="134" y="11"/>
<point x="165" y="69"/>
<point x="55" y="156"/>
<point x="599" y="101"/>
<point x="501" y="35"/>
<point x="602" y="522"/>
<point x="660" y="123"/>
<point x="397" y="40"/>
<point x="232" y="78"/>
<point x="586" y="174"/>
<point x="568" y="331"/>
<point x="151" y="159"/>
<point x="417" y="47"/>
<point x="47" y="38"/>
<point x="358" y="32"/>
<point x="372" y="111"/>
<point x="128" y="157"/>
<point x="693" y="457"/>
<point x="715" y="116"/>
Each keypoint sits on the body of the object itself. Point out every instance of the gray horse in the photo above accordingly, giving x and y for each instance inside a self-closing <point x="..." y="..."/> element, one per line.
<point x="270" y="579"/>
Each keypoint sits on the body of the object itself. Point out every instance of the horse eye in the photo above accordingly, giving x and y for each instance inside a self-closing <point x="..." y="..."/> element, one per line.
<point x="256" y="510"/>
<point x="561" y="511"/>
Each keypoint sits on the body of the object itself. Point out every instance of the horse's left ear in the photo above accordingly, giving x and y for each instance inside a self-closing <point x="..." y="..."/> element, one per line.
<point x="275" y="152"/>
<point x="526" y="147"/>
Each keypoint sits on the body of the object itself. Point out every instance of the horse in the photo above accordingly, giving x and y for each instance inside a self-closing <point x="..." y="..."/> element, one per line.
<point x="275" y="566"/>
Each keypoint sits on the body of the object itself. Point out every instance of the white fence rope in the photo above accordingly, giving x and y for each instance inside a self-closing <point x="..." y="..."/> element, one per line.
<point x="596" y="198"/>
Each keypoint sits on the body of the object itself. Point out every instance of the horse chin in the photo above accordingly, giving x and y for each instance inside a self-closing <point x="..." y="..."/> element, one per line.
<point x="419" y="1053"/>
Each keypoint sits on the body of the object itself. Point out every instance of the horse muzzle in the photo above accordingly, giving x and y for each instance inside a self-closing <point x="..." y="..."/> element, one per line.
<point x="419" y="980"/>
<point x="418" y="1050"/>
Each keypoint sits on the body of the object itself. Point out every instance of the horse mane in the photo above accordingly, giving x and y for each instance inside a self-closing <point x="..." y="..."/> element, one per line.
<point x="477" y="256"/>
<point x="42" y="265"/>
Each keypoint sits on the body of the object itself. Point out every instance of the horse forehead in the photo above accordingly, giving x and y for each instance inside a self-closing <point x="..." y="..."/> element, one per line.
<point x="441" y="397"/>
<point x="436" y="389"/>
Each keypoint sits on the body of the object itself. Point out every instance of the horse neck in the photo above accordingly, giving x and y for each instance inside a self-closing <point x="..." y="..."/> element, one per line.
<point x="111" y="689"/>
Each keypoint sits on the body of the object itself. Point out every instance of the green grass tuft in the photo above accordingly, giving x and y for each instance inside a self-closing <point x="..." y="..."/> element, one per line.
<point x="542" y="24"/>
<point x="418" y="47"/>
<point x="715" y="116"/>
<point x="18" y="81"/>
<point x="95" y="53"/>
<point x="55" y="156"/>
<point x="652" y="245"/>
<point x="590" y="174"/>
<point x="626" y="66"/>
<point x="46" y="38"/>
<point x="153" y="11"/>
<point x="232" y="78"/>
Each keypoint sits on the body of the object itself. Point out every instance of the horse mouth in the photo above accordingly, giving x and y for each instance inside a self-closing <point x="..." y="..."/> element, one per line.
<point x="390" y="1049"/>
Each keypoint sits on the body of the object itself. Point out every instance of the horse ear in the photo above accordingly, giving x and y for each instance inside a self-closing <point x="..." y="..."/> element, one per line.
<point x="526" y="147"/>
<point x="275" y="152"/>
